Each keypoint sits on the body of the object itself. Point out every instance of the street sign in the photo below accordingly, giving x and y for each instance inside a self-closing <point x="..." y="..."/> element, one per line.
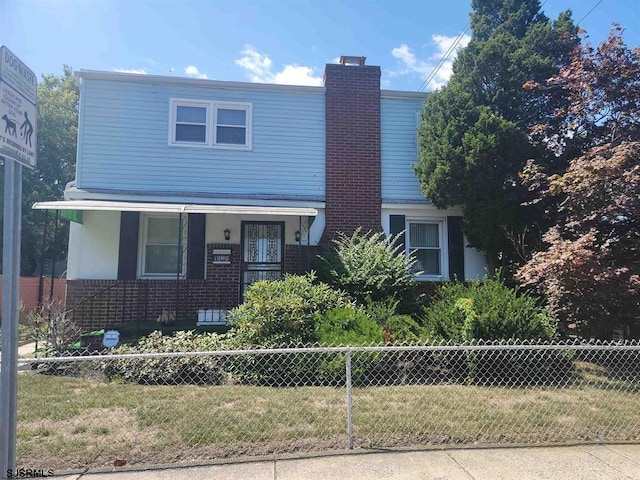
<point x="18" y="92"/>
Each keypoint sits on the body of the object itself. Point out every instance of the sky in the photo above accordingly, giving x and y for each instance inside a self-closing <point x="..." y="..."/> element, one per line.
<point x="272" y="41"/>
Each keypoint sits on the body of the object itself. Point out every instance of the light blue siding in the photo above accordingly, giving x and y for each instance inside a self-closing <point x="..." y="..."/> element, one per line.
<point x="123" y="143"/>
<point x="399" y="149"/>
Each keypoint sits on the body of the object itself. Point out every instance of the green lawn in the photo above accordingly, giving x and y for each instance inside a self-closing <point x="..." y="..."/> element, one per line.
<point x="73" y="423"/>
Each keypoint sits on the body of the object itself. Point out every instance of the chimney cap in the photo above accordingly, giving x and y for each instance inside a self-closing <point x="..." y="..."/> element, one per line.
<point x="348" y="60"/>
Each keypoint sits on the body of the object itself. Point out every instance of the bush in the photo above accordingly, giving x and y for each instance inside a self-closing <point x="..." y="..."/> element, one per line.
<point x="403" y="329"/>
<point x="201" y="369"/>
<point x="347" y="326"/>
<point x="487" y="310"/>
<point x="53" y="329"/>
<point x="283" y="312"/>
<point x="369" y="266"/>
<point x="492" y="311"/>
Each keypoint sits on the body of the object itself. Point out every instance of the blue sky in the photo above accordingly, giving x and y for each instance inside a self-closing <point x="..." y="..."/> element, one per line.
<point x="286" y="41"/>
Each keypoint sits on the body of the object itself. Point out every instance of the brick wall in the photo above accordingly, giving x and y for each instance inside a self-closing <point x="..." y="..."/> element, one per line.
<point x="353" y="151"/>
<point x="224" y="280"/>
<point x="297" y="258"/>
<point x="102" y="303"/>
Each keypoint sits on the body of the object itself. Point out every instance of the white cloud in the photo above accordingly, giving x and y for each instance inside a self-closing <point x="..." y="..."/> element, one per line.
<point x="192" y="71"/>
<point x="259" y="68"/>
<point x="139" y="71"/>
<point x="410" y="64"/>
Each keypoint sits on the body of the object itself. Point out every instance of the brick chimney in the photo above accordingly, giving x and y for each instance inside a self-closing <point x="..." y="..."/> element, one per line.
<point x="353" y="159"/>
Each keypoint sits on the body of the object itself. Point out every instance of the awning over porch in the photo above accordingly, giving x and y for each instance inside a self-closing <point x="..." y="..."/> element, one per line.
<point x="111" y="206"/>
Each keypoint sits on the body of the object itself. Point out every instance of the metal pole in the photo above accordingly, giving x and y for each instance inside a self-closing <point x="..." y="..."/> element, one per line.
<point x="349" y="399"/>
<point x="38" y="317"/>
<point x="179" y="266"/>
<point x="53" y="255"/>
<point x="42" y="257"/>
<point x="10" y="311"/>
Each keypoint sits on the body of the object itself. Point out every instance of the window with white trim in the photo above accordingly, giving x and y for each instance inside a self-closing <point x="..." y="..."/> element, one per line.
<point x="425" y="242"/>
<point x="230" y="126"/>
<point x="191" y="123"/>
<point x="161" y="253"/>
<point x="210" y="124"/>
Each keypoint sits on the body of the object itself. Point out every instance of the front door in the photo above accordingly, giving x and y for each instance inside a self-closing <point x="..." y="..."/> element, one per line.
<point x="262" y="252"/>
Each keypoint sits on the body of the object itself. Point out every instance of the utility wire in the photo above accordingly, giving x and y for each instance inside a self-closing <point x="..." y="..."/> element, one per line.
<point x="587" y="14"/>
<point x="444" y="58"/>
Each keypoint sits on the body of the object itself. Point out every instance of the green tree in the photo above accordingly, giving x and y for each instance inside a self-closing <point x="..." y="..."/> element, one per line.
<point x="58" y="98"/>
<point x="474" y="135"/>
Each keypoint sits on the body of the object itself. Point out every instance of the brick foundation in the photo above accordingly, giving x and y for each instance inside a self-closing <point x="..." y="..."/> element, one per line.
<point x="113" y="303"/>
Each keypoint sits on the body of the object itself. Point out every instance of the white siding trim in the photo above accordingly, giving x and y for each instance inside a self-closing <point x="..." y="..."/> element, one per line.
<point x="190" y="82"/>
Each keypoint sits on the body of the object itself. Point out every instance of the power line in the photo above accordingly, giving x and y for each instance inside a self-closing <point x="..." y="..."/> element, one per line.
<point x="587" y="14"/>
<point x="444" y="58"/>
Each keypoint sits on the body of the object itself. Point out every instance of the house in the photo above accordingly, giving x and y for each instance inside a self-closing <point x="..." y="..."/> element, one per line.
<point x="188" y="190"/>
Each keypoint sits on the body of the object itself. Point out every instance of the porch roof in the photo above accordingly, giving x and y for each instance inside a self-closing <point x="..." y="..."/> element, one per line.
<point x="111" y="206"/>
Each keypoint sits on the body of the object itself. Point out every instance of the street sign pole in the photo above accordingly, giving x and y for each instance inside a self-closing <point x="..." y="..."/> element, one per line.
<point x="18" y="146"/>
<point x="10" y="311"/>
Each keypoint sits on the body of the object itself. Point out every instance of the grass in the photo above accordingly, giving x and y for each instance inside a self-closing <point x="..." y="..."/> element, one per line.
<point x="73" y="423"/>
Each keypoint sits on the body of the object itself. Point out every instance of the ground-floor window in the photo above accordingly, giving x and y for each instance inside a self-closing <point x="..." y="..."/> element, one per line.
<point x="425" y="240"/>
<point x="162" y="253"/>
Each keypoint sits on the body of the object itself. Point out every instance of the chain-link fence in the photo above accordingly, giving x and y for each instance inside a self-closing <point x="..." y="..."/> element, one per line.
<point x="176" y="408"/>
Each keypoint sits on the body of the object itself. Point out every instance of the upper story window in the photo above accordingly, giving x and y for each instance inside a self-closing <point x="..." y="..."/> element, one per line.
<point x="210" y="124"/>
<point x="425" y="241"/>
<point x="191" y="123"/>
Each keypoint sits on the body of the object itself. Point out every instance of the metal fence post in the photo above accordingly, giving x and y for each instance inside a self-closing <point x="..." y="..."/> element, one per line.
<point x="349" y="399"/>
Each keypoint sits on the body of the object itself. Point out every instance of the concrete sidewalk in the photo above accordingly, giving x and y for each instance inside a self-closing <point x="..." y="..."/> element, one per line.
<point x="585" y="462"/>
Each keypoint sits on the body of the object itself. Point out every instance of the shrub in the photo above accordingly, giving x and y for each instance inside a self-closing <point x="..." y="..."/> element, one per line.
<point x="53" y="328"/>
<point x="201" y="369"/>
<point x="403" y="329"/>
<point x="368" y="266"/>
<point x="347" y="326"/>
<point x="283" y="312"/>
<point x="492" y="311"/>
<point x="487" y="310"/>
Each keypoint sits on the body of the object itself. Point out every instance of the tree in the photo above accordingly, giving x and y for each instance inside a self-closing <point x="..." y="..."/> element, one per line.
<point x="602" y="91"/>
<point x="589" y="270"/>
<point x="474" y="136"/>
<point x="58" y="98"/>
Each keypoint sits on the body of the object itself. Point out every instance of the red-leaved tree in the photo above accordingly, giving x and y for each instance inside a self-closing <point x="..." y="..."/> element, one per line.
<point x="589" y="270"/>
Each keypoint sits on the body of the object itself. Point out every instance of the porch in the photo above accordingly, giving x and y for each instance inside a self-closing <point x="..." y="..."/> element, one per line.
<point x="145" y="266"/>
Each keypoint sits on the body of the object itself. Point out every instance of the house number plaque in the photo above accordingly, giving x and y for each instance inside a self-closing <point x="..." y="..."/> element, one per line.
<point x="221" y="256"/>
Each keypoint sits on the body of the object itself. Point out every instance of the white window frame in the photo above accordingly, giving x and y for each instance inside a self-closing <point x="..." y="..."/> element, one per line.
<point x="173" y="119"/>
<point x="211" y="130"/>
<point x="142" y="245"/>
<point x="232" y="106"/>
<point x="442" y="238"/>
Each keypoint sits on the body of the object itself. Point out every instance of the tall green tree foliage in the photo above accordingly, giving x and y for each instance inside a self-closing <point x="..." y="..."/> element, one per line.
<point x="58" y="98"/>
<point x="474" y="135"/>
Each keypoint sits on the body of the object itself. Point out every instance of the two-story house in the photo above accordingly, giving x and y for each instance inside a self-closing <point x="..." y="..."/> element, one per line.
<point x="188" y="190"/>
